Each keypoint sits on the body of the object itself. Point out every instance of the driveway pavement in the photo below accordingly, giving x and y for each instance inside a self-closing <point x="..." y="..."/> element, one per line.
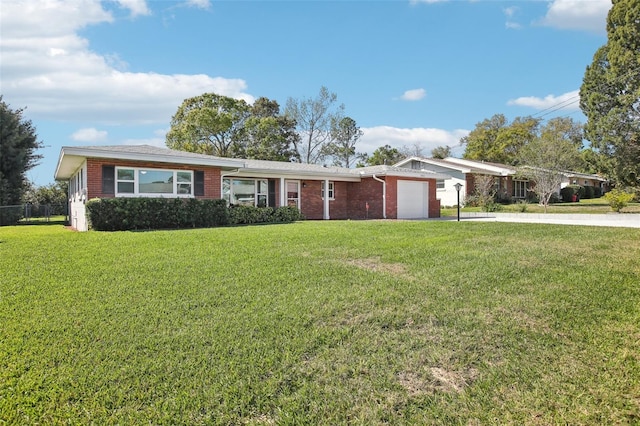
<point x="610" y="219"/>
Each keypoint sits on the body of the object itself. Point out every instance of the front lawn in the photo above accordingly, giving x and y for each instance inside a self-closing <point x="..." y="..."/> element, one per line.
<point x="341" y="322"/>
<point x="587" y="206"/>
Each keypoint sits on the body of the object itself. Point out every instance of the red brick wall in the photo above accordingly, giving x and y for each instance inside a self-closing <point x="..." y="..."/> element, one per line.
<point x="312" y="204"/>
<point x="94" y="175"/>
<point x="360" y="193"/>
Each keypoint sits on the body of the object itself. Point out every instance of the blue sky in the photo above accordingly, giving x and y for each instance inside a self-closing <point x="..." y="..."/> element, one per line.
<point x="408" y="72"/>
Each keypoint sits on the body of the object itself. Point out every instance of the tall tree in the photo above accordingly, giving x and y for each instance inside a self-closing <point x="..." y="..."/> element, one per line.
<point x="209" y="124"/>
<point x="384" y="155"/>
<point x="345" y="133"/>
<point x="18" y="145"/>
<point x="441" y="152"/>
<point x="313" y="117"/>
<point x="269" y="135"/>
<point x="497" y="140"/>
<point x="545" y="158"/>
<point x="610" y="95"/>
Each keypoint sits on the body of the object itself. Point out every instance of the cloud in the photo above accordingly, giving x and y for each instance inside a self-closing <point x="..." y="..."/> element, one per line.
<point x="200" y="4"/>
<point x="48" y="67"/>
<point x="577" y="15"/>
<point x="137" y="7"/>
<point x="91" y="135"/>
<point x="427" y="138"/>
<point x="566" y="101"/>
<point x="158" y="141"/>
<point x="510" y="12"/>
<point x="413" y="95"/>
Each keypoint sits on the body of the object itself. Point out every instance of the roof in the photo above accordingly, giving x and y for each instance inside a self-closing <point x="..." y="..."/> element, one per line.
<point x="464" y="166"/>
<point x="71" y="158"/>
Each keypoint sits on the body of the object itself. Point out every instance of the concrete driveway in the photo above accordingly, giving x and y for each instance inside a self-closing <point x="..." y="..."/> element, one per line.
<point x="625" y="220"/>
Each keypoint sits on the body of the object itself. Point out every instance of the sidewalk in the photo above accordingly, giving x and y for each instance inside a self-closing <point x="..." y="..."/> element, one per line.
<point x="626" y="220"/>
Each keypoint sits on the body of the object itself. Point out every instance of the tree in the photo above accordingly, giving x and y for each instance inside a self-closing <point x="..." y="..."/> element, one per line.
<point x="497" y="140"/>
<point x="18" y="145"/>
<point x="610" y="95"/>
<point x="313" y="119"/>
<point x="345" y="133"/>
<point x="547" y="157"/>
<point x="209" y="124"/>
<point x="269" y="135"/>
<point x="441" y="152"/>
<point x="385" y="155"/>
<point x="414" y="150"/>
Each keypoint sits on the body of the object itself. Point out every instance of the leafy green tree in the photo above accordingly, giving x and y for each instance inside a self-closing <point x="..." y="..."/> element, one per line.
<point x="345" y="133"/>
<point x="269" y="135"/>
<point x="385" y="155"/>
<point x="209" y="124"/>
<point x="441" y="152"/>
<point x="545" y="158"/>
<point x="313" y="117"/>
<point x="497" y="140"/>
<point x="18" y="145"/>
<point x="610" y="95"/>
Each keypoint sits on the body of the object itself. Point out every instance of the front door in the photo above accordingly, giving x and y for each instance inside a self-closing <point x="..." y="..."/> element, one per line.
<point x="293" y="193"/>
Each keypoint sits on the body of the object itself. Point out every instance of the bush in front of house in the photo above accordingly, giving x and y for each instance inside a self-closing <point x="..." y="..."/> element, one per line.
<point x="127" y="214"/>
<point x="245" y="215"/>
<point x="569" y="191"/>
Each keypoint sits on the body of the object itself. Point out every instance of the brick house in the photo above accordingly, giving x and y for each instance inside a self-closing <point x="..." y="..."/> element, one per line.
<point x="374" y="192"/>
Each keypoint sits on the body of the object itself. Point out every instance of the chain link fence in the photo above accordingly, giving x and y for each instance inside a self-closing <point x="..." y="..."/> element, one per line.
<point x="27" y="213"/>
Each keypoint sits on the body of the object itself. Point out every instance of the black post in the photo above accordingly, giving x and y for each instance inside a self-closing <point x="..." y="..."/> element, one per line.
<point x="458" y="205"/>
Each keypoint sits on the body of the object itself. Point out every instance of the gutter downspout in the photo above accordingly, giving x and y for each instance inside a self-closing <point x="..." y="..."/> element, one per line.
<point x="384" y="195"/>
<point x="222" y="176"/>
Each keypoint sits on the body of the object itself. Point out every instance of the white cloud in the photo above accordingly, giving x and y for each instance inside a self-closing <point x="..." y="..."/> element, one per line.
<point x="567" y="101"/>
<point x="201" y="4"/>
<point x="136" y="7"/>
<point x="577" y="15"/>
<point x="48" y="67"/>
<point x="413" y="95"/>
<point x="91" y="134"/>
<point x="427" y="138"/>
<point x="158" y="141"/>
<point x="510" y="13"/>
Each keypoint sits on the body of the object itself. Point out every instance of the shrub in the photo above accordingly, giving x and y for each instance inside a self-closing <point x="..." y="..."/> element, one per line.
<point x="597" y="192"/>
<point x="618" y="199"/>
<point x="120" y="214"/>
<point x="588" y="192"/>
<point x="124" y="214"/>
<point x="569" y="191"/>
<point x="10" y="215"/>
<point x="522" y="205"/>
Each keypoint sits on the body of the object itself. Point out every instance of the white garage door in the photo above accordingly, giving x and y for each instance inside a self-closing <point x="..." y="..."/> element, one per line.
<point x="413" y="199"/>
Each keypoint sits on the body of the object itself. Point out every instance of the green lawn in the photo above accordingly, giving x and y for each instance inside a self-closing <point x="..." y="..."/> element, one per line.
<point x="341" y="322"/>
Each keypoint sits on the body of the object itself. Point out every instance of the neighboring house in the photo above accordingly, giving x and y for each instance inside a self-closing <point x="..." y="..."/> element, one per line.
<point x="145" y="171"/>
<point x="463" y="172"/>
<point x="507" y="183"/>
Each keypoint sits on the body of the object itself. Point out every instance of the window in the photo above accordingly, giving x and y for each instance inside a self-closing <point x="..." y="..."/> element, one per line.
<point x="293" y="193"/>
<point x="439" y="183"/>
<point x="153" y="182"/>
<point x="520" y="188"/>
<point x="331" y="192"/>
<point x="246" y="192"/>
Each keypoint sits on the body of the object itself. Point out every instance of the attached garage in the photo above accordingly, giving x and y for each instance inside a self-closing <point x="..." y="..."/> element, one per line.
<point x="413" y="199"/>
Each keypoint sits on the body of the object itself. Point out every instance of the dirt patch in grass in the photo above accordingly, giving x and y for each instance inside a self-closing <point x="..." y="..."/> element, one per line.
<point x="374" y="264"/>
<point x="439" y="380"/>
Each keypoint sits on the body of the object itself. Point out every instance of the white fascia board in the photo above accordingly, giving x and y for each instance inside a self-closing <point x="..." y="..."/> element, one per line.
<point x="71" y="158"/>
<point x="297" y="175"/>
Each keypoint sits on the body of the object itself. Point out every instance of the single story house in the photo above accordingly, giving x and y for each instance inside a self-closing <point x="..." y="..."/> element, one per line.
<point x="463" y="172"/>
<point x="506" y="180"/>
<point x="376" y="192"/>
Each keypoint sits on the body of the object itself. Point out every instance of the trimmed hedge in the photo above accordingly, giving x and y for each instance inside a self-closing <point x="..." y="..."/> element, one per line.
<point x="126" y="214"/>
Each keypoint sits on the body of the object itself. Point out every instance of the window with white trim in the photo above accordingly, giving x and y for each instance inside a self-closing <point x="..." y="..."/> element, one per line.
<point x="331" y="191"/>
<point x="246" y="192"/>
<point x="153" y="182"/>
<point x="439" y="183"/>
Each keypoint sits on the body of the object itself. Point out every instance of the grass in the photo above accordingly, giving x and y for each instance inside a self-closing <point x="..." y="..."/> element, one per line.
<point x="586" y="206"/>
<point x="344" y="322"/>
